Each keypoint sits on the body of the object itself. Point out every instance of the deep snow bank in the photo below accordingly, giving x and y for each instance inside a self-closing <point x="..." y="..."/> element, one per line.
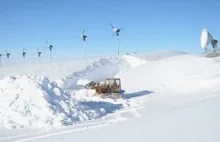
<point x="134" y="61"/>
<point x="96" y="71"/>
<point x="31" y="102"/>
<point x="179" y="73"/>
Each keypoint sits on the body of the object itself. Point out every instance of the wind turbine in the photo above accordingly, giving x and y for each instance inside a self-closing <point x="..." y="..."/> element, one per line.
<point x="39" y="54"/>
<point x="7" y="54"/>
<point x="117" y="31"/>
<point x="206" y="38"/>
<point x="23" y="54"/>
<point x="1" y="60"/>
<point x="50" y="47"/>
<point x="83" y="37"/>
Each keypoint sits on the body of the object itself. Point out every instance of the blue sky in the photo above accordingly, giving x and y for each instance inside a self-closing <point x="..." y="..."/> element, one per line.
<point x="148" y="25"/>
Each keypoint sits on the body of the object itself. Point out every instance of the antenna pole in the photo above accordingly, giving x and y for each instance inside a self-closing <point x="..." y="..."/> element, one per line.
<point x="118" y="44"/>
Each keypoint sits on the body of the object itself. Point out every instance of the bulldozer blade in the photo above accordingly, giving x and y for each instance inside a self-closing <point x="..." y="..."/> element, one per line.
<point x="111" y="96"/>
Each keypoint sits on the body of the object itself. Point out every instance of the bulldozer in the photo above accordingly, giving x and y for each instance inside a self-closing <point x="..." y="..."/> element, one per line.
<point x="111" y="88"/>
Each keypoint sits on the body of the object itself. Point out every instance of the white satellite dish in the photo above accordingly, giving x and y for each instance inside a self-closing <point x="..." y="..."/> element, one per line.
<point x="206" y="38"/>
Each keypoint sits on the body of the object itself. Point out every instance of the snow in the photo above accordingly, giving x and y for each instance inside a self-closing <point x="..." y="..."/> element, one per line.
<point x="42" y="103"/>
<point x="157" y="127"/>
<point x="96" y="71"/>
<point x="134" y="61"/>
<point x="169" y="96"/>
<point x="158" y="55"/>
<point x="175" y="72"/>
<point x="31" y="102"/>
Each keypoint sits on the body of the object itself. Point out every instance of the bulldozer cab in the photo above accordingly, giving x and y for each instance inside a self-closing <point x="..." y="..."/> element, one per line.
<point x="114" y="83"/>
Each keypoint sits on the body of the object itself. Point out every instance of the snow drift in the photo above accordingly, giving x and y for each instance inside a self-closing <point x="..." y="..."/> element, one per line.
<point x="134" y="61"/>
<point x="96" y="71"/>
<point x="178" y="74"/>
<point x="31" y="102"/>
<point x="168" y="99"/>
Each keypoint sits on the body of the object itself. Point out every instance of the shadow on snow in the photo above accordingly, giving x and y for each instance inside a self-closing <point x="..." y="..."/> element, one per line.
<point x="136" y="94"/>
<point x="108" y="107"/>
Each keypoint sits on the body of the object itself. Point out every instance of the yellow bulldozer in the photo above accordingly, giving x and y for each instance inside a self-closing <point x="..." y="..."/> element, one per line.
<point x="111" y="88"/>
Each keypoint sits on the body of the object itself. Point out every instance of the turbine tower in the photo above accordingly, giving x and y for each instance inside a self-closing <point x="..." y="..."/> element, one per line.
<point x="50" y="47"/>
<point x="116" y="31"/>
<point x="83" y="37"/>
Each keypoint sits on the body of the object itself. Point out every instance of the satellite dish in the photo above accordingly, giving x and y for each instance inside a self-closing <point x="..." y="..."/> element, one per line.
<point x="206" y="38"/>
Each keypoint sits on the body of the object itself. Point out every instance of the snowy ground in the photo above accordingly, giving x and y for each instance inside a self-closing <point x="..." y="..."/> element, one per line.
<point x="172" y="96"/>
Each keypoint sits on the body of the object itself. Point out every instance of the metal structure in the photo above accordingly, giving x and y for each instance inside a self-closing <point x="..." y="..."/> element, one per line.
<point x="1" y="60"/>
<point x="7" y="54"/>
<point x="50" y="47"/>
<point x="110" y="89"/>
<point x="206" y="39"/>
<point x="38" y="52"/>
<point x="214" y="43"/>
<point x="24" y="54"/>
<point x="116" y="31"/>
<point x="83" y="36"/>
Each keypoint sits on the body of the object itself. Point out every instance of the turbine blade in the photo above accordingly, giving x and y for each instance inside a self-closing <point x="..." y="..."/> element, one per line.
<point x="111" y="26"/>
<point x="113" y="34"/>
<point x="122" y="29"/>
<point x="83" y="31"/>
